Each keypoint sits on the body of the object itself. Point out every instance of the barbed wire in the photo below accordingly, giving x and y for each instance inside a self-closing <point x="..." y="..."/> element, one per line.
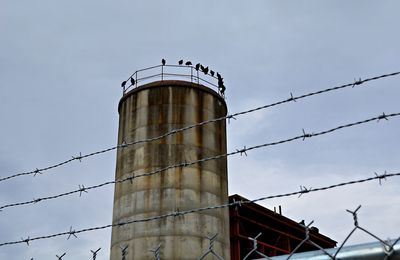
<point x="242" y="151"/>
<point x="383" y="248"/>
<point x="292" y="98"/>
<point x="195" y="210"/>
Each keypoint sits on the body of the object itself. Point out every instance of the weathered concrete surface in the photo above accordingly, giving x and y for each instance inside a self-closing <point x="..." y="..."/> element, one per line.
<point x="150" y="111"/>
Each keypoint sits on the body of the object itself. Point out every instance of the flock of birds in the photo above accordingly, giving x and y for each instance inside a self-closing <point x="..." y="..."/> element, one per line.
<point x="198" y="67"/>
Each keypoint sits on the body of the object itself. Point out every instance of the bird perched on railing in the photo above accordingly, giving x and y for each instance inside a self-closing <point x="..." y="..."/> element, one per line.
<point x="123" y="83"/>
<point x="132" y="81"/>
<point x="221" y="86"/>
<point x="188" y="63"/>
<point x="205" y="70"/>
<point x="212" y="73"/>
<point x="163" y="62"/>
<point x="197" y="67"/>
<point x="180" y="62"/>
<point x="222" y="89"/>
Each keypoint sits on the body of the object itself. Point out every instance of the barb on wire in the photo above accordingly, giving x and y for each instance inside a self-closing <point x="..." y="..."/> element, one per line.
<point x="211" y="248"/>
<point x="71" y="233"/>
<point x="123" y="145"/>
<point x="229" y="117"/>
<point x="380" y="177"/>
<point x="79" y="158"/>
<point x="177" y="213"/>
<point x="61" y="256"/>
<point x="306" y="135"/>
<point x="357" y="82"/>
<point x="186" y="164"/>
<point x="292" y="98"/>
<point x="303" y="190"/>
<point x="130" y="178"/>
<point x="242" y="151"/>
<point x="37" y="171"/>
<point x="82" y="189"/>
<point x="94" y="253"/>
<point x="383" y="116"/>
<point x="37" y="200"/>
<point x="25" y="240"/>
<point x="173" y="214"/>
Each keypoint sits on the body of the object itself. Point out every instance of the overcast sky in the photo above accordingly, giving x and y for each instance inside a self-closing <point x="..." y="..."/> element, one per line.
<point x="62" y="62"/>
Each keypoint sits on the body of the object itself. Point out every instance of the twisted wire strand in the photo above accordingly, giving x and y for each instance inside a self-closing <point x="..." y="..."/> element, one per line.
<point x="186" y="164"/>
<point x="291" y="99"/>
<point x="195" y="210"/>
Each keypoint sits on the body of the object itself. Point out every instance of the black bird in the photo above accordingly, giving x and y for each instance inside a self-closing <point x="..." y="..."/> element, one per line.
<point x="197" y="66"/>
<point x="212" y="73"/>
<point x="123" y="83"/>
<point x="219" y="76"/>
<point x="132" y="81"/>
<point x="163" y="62"/>
<point x="188" y="63"/>
<point x="220" y="82"/>
<point x="221" y="85"/>
<point x="202" y="67"/>
<point x="180" y="62"/>
<point x="222" y="89"/>
<point x="205" y="70"/>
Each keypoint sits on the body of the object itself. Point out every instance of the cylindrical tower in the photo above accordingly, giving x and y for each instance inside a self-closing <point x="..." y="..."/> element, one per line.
<point x="149" y="111"/>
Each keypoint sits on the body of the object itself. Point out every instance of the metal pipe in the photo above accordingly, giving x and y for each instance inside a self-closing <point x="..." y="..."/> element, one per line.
<point x="368" y="251"/>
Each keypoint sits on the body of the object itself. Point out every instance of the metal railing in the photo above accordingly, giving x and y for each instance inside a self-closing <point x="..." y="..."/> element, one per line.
<point x="171" y="72"/>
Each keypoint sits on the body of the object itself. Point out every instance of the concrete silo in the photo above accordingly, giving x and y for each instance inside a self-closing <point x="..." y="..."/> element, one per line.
<point x="149" y="111"/>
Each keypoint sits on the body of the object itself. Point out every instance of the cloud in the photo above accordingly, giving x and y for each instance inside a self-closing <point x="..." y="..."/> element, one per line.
<point x="62" y="64"/>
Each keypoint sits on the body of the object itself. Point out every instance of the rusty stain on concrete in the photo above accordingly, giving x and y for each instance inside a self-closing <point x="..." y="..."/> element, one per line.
<point x="149" y="111"/>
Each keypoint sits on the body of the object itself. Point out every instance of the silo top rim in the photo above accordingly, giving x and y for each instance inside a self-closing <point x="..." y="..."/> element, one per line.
<point x="172" y="83"/>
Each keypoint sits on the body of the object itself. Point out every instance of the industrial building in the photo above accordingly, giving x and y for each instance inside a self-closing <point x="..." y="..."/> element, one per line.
<point x="276" y="234"/>
<point x="152" y="108"/>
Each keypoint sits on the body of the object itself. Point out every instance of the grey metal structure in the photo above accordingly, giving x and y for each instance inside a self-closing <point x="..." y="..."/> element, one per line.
<point x="151" y="110"/>
<point x="368" y="251"/>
